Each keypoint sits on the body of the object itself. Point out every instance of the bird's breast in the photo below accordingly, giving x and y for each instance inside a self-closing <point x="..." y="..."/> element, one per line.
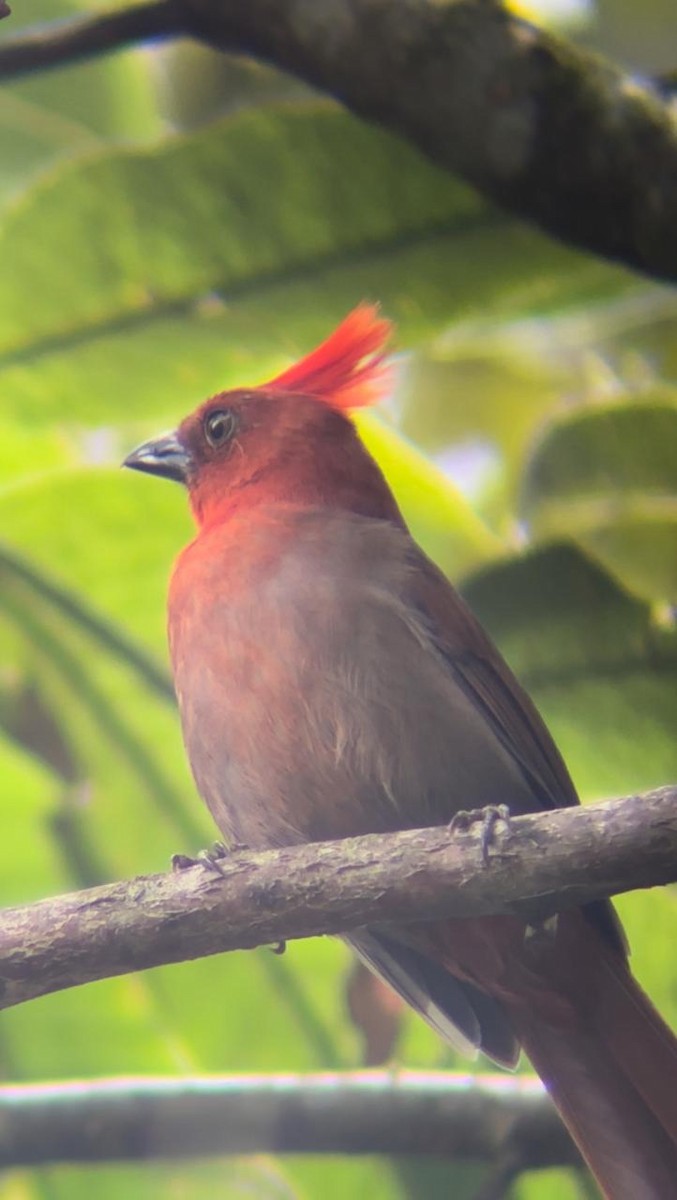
<point x="313" y="701"/>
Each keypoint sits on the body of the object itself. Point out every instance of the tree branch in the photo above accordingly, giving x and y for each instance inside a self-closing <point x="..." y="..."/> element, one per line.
<point x="62" y="43"/>
<point x="540" y="126"/>
<point x="537" y="865"/>
<point x="363" y="1112"/>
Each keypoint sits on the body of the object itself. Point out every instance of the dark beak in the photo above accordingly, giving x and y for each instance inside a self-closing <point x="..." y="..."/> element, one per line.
<point x="163" y="456"/>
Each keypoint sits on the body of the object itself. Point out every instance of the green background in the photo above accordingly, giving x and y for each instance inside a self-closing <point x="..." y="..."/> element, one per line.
<point x="170" y="228"/>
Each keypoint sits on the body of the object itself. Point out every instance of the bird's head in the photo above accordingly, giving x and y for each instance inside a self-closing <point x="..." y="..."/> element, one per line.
<point x="288" y="440"/>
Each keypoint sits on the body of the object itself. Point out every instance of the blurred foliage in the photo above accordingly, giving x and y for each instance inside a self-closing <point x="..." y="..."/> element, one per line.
<point x="170" y="228"/>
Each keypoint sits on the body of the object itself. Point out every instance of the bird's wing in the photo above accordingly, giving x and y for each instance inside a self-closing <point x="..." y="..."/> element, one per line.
<point x="461" y="1014"/>
<point x="491" y="686"/>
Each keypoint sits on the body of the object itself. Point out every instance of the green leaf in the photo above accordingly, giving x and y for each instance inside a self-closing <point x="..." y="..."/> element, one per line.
<point x="25" y="451"/>
<point x="480" y="380"/>
<point x="221" y="254"/>
<point x="79" y="613"/>
<point x="606" y="476"/>
<point x="594" y="660"/>
<point x="52" y="116"/>
<point x="256" y="1178"/>
<point x="30" y="794"/>
<point x="251" y="200"/>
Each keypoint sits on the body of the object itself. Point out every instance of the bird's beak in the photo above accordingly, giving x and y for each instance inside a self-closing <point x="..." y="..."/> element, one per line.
<point x="164" y="456"/>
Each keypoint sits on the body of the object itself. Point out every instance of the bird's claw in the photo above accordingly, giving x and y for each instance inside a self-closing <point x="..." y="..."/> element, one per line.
<point x="488" y="817"/>
<point x="279" y="948"/>
<point x="212" y="859"/>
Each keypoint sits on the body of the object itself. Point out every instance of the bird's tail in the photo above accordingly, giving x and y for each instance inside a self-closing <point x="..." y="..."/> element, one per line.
<point x="613" y="1077"/>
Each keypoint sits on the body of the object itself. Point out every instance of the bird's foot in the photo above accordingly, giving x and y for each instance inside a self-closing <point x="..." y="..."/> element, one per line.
<point x="212" y="859"/>
<point x="488" y="817"/>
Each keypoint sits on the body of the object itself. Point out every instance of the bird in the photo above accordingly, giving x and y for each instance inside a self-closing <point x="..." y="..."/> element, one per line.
<point x="332" y="683"/>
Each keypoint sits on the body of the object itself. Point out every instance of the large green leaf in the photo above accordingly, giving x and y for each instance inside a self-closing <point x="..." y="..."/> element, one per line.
<point x="56" y="116"/>
<point x="606" y="475"/>
<point x="246" y="202"/>
<point x="595" y="661"/>
<point x="492" y="383"/>
<point x="221" y="254"/>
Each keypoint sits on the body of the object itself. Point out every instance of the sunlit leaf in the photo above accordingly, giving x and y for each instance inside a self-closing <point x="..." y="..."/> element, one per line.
<point x="220" y="255"/>
<point x="606" y="475"/>
<point x="44" y="119"/>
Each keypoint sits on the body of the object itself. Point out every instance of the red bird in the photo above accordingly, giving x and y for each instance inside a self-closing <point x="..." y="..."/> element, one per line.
<point x="332" y="683"/>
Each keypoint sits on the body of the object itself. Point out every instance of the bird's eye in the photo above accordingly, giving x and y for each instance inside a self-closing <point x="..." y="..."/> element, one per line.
<point x="219" y="427"/>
